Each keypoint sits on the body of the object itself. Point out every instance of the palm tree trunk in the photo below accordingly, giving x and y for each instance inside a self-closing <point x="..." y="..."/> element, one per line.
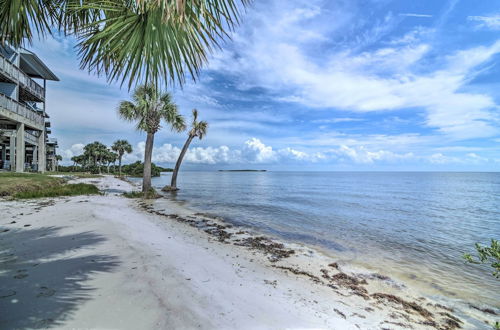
<point x="173" y="183"/>
<point x="148" y="153"/>
<point x="120" y="164"/>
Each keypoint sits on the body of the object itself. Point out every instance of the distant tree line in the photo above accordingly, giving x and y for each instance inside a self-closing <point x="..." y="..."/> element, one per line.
<point x="97" y="158"/>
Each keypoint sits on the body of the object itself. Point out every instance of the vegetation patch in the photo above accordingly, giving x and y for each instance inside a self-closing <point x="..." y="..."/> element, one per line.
<point x="137" y="169"/>
<point x="133" y="194"/>
<point x="60" y="190"/>
<point x="15" y="183"/>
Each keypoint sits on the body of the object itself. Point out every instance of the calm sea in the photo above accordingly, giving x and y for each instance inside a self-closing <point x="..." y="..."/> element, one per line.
<point x="415" y="226"/>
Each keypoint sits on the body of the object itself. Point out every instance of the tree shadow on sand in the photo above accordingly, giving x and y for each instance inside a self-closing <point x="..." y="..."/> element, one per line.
<point x="44" y="276"/>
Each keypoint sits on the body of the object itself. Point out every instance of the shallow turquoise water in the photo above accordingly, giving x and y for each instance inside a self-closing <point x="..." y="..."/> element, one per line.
<point x="413" y="225"/>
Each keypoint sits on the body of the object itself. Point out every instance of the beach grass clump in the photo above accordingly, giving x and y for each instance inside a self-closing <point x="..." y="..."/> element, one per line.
<point x="133" y="194"/>
<point x="14" y="183"/>
<point x="61" y="190"/>
<point x="150" y="194"/>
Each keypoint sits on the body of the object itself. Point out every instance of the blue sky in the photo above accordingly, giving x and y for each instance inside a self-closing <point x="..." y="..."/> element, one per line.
<point x="319" y="85"/>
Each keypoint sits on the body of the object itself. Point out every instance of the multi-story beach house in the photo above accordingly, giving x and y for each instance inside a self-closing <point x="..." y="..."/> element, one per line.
<point x="24" y="124"/>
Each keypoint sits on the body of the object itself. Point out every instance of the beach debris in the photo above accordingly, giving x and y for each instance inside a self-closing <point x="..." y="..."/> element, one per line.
<point x="408" y="306"/>
<point x="275" y="251"/>
<point x="451" y="322"/>
<point x="7" y="293"/>
<point x="334" y="265"/>
<point x="20" y="276"/>
<point x="340" y="313"/>
<point x="273" y="283"/>
<point x="299" y="272"/>
<point x="45" y="292"/>
<point x="346" y="281"/>
<point x="484" y="310"/>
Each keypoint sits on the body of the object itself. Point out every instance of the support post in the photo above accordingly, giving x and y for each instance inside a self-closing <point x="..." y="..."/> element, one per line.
<point x="12" y="153"/>
<point x="20" y="148"/>
<point x="35" y="157"/>
<point x="4" y="155"/>
<point x="42" y="156"/>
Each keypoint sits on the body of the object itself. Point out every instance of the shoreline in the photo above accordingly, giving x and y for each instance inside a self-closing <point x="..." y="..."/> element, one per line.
<point x="148" y="271"/>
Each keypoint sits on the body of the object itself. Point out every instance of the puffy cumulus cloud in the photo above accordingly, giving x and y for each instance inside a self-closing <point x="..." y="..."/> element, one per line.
<point x="361" y="155"/>
<point x="74" y="150"/>
<point x="255" y="151"/>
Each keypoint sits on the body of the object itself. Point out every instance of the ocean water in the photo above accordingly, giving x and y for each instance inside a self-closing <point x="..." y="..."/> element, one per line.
<point x="414" y="226"/>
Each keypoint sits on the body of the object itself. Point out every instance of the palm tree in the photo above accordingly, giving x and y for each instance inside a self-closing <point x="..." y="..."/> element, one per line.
<point x="134" y="40"/>
<point x="148" y="108"/>
<point x="198" y="129"/>
<point x="121" y="147"/>
<point x="58" y="159"/>
<point x="110" y="157"/>
<point x="95" y="151"/>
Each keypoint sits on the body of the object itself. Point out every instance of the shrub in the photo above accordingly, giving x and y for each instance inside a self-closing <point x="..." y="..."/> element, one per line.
<point x="137" y="169"/>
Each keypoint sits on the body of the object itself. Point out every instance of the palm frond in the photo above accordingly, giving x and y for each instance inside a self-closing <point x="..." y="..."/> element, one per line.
<point x="156" y="41"/>
<point x="23" y="19"/>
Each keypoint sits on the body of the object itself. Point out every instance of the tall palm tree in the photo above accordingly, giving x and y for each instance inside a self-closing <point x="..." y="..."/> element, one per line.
<point x="109" y="157"/>
<point x="58" y="159"/>
<point x="148" y="108"/>
<point x="121" y="147"/>
<point x="134" y="40"/>
<point x="198" y="129"/>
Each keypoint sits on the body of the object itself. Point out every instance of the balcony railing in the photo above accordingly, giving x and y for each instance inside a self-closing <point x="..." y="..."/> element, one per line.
<point x="22" y="110"/>
<point x="14" y="73"/>
<point x="30" y="137"/>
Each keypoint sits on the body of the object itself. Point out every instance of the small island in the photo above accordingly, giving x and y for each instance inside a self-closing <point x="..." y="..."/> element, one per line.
<point x="242" y="170"/>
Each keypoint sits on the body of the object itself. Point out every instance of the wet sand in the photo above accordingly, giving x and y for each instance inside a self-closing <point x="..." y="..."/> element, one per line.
<point x="112" y="262"/>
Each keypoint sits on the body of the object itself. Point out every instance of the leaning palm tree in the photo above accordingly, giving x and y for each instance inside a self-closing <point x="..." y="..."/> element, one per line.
<point x="121" y="147"/>
<point x="198" y="129"/>
<point x="148" y="108"/>
<point x="128" y="40"/>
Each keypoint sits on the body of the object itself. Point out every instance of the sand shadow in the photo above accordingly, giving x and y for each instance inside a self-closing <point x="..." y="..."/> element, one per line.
<point x="41" y="284"/>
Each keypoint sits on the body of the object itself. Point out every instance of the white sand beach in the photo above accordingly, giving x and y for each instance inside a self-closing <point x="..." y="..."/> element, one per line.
<point x="108" y="262"/>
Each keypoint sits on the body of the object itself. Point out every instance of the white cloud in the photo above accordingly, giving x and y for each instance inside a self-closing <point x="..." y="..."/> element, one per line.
<point x="254" y="151"/>
<point x="491" y="22"/>
<point x="74" y="150"/>
<point x="416" y="15"/>
<point x="381" y="79"/>
<point x="361" y="155"/>
<point x="336" y="120"/>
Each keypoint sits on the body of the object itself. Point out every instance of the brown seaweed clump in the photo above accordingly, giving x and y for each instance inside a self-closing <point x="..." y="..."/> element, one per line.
<point x="408" y="306"/>
<point x="299" y="272"/>
<point x="275" y="251"/>
<point x="346" y="281"/>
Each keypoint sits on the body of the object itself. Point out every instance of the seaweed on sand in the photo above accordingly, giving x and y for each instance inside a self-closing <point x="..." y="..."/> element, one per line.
<point x="275" y="251"/>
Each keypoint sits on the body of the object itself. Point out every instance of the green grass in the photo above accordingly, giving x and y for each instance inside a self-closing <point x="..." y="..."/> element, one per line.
<point x="151" y="194"/>
<point x="62" y="190"/>
<point x="13" y="183"/>
<point x="33" y="185"/>
<point x="134" y="194"/>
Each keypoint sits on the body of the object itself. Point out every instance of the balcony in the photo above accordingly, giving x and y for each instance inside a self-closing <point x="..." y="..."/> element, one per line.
<point x="28" y="116"/>
<point x="31" y="137"/>
<point x="28" y="85"/>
